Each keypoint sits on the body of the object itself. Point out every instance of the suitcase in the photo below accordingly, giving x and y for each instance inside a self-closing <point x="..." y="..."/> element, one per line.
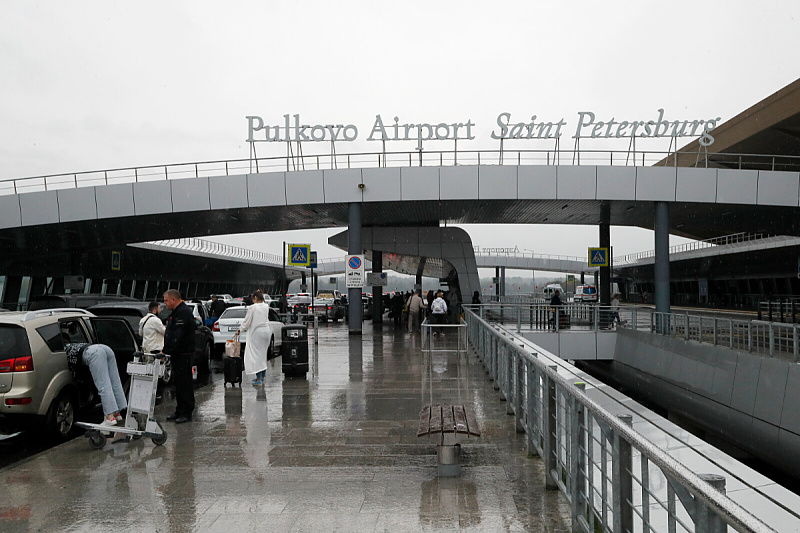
<point x="233" y="370"/>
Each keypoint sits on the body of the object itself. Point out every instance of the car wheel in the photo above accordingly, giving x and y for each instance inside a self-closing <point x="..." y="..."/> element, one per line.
<point x="61" y="416"/>
<point x="271" y="348"/>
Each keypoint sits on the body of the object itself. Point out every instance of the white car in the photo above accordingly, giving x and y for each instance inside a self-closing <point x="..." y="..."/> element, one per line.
<point x="229" y="323"/>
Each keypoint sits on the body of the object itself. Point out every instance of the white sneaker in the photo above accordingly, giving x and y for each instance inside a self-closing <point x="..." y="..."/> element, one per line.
<point x="109" y="422"/>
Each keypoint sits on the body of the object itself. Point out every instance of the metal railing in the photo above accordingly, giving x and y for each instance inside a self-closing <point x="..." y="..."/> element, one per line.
<point x="431" y="329"/>
<point x="537" y="315"/>
<point x="734" y="238"/>
<point x="381" y="160"/>
<point x="780" y="310"/>
<point x="589" y="453"/>
<point x="214" y="248"/>
<point x="773" y="339"/>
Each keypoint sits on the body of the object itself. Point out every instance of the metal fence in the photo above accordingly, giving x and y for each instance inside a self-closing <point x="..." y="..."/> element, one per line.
<point x="614" y="479"/>
<point x="431" y="330"/>
<point x="298" y="161"/>
<point x="773" y="339"/>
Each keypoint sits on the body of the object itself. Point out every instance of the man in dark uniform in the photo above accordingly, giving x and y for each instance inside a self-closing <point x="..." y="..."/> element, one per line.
<point x="179" y="344"/>
<point x="217" y="306"/>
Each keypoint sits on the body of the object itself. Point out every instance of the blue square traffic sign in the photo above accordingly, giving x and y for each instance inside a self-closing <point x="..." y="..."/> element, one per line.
<point x="598" y="257"/>
<point x="299" y="254"/>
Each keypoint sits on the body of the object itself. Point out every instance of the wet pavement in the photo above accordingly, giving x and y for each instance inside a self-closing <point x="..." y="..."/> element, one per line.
<point x="336" y="451"/>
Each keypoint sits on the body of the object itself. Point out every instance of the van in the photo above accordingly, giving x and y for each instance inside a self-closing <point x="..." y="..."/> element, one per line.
<point x="551" y="289"/>
<point x="585" y="293"/>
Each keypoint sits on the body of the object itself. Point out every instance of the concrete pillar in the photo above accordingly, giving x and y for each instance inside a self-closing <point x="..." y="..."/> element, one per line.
<point x="355" y="310"/>
<point x="604" y="289"/>
<point x="377" y="290"/>
<point x="302" y="281"/>
<point x="497" y="285"/>
<point x="502" y="281"/>
<point x="662" y="256"/>
<point x="583" y="275"/>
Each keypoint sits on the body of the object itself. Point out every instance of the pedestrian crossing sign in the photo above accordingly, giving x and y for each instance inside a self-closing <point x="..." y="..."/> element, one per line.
<point x="598" y="257"/>
<point x="299" y="255"/>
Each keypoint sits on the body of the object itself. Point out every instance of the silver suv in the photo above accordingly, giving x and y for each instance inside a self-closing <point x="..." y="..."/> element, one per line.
<point x="36" y="385"/>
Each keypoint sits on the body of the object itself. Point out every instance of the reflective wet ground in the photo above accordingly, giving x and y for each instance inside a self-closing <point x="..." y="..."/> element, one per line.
<point x="336" y="451"/>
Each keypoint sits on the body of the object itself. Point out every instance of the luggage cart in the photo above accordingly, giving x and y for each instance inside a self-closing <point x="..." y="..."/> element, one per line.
<point x="144" y="370"/>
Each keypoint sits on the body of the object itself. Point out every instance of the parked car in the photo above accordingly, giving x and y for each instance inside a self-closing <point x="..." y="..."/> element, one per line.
<point x="133" y="313"/>
<point x="327" y="306"/>
<point x="79" y="301"/>
<point x="229" y="323"/>
<point x="585" y="293"/>
<point x="37" y="388"/>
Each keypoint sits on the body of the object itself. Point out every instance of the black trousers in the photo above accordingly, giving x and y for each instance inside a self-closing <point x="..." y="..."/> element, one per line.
<point x="184" y="387"/>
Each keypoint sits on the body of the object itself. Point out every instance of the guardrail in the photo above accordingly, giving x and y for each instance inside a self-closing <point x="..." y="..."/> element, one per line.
<point x="543" y="316"/>
<point x="780" y="310"/>
<point x="589" y="453"/>
<point x="429" y="332"/>
<point x="383" y="160"/>
<point x="723" y="240"/>
<point x="214" y="248"/>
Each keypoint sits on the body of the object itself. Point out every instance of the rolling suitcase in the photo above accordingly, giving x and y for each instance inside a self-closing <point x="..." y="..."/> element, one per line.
<point x="233" y="370"/>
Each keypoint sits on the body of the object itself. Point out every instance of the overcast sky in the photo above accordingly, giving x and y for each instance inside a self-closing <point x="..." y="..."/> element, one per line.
<point x="96" y="85"/>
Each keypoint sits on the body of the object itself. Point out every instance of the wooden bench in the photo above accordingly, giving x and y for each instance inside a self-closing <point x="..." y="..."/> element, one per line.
<point x="448" y="422"/>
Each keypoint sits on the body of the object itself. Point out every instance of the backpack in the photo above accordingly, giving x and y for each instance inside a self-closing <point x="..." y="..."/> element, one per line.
<point x="438" y="307"/>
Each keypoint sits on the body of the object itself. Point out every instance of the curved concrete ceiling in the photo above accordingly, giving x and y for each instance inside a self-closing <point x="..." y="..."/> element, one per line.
<point x="703" y="203"/>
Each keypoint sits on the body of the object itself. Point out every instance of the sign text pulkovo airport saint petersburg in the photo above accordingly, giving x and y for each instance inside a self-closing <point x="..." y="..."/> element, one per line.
<point x="588" y="126"/>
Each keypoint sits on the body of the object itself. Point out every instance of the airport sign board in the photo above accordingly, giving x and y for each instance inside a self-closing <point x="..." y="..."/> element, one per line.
<point x="376" y="279"/>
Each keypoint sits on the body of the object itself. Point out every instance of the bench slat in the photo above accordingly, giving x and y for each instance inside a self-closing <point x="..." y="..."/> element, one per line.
<point x="447" y="419"/>
<point x="472" y="422"/>
<point x="424" y="421"/>
<point x="460" y="419"/>
<point x="436" y="418"/>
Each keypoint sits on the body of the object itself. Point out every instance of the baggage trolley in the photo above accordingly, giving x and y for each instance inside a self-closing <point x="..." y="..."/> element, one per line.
<point x="141" y="400"/>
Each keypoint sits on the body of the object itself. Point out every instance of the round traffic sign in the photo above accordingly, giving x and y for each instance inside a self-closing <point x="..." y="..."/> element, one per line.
<point x="355" y="263"/>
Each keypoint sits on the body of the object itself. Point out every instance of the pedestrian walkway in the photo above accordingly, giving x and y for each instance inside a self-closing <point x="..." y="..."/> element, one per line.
<point x="337" y="451"/>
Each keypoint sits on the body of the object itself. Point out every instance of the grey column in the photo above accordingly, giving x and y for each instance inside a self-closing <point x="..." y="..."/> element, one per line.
<point x="502" y="281"/>
<point x="605" y="272"/>
<point x="377" y="290"/>
<point x="355" y="309"/>
<point x="662" y="256"/>
<point x="497" y="285"/>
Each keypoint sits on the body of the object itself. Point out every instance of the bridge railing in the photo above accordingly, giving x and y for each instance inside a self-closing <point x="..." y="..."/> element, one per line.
<point x="588" y="452"/>
<point x="214" y="248"/>
<point x="299" y="161"/>
<point x="772" y="339"/>
<point x="691" y="246"/>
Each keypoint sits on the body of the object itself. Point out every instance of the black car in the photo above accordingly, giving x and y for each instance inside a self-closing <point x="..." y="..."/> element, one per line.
<point x="134" y="311"/>
<point x="79" y="301"/>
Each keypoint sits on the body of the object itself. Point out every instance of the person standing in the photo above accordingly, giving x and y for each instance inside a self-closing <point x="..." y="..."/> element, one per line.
<point x="476" y="298"/>
<point x="415" y="307"/>
<point x="439" y="312"/>
<point x="256" y="323"/>
<point x="179" y="344"/>
<point x="397" y="309"/>
<point x="615" y="310"/>
<point x="217" y="307"/>
<point x="151" y="329"/>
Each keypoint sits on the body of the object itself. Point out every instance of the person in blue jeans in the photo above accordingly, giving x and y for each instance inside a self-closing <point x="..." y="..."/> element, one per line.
<point x="102" y="365"/>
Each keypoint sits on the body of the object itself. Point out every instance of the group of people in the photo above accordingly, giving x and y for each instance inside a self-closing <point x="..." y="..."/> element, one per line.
<point x="436" y="305"/>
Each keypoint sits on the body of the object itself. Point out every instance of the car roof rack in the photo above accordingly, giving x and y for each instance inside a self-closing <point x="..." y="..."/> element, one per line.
<point x="30" y="315"/>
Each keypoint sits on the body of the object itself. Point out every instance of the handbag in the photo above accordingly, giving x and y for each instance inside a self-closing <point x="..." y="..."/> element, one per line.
<point x="233" y="348"/>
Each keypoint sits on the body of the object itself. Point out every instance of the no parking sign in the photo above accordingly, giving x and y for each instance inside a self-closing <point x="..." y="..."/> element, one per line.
<point x="354" y="271"/>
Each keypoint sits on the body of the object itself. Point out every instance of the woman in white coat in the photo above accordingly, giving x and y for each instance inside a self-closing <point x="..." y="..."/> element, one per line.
<point x="256" y="323"/>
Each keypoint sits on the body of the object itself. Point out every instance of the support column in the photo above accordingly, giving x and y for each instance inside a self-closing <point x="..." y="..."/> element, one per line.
<point x="604" y="289"/>
<point x="497" y="285"/>
<point x="355" y="310"/>
<point x="377" y="290"/>
<point x="502" y="281"/>
<point x="662" y="257"/>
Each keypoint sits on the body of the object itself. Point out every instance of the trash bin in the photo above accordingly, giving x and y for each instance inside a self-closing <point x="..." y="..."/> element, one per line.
<point x="294" y="339"/>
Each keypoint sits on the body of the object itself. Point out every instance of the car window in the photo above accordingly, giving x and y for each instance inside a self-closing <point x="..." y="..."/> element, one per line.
<point x="72" y="330"/>
<point x="234" y="313"/>
<point x="51" y="334"/>
<point x="13" y="342"/>
<point x="273" y="316"/>
<point x="114" y="334"/>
